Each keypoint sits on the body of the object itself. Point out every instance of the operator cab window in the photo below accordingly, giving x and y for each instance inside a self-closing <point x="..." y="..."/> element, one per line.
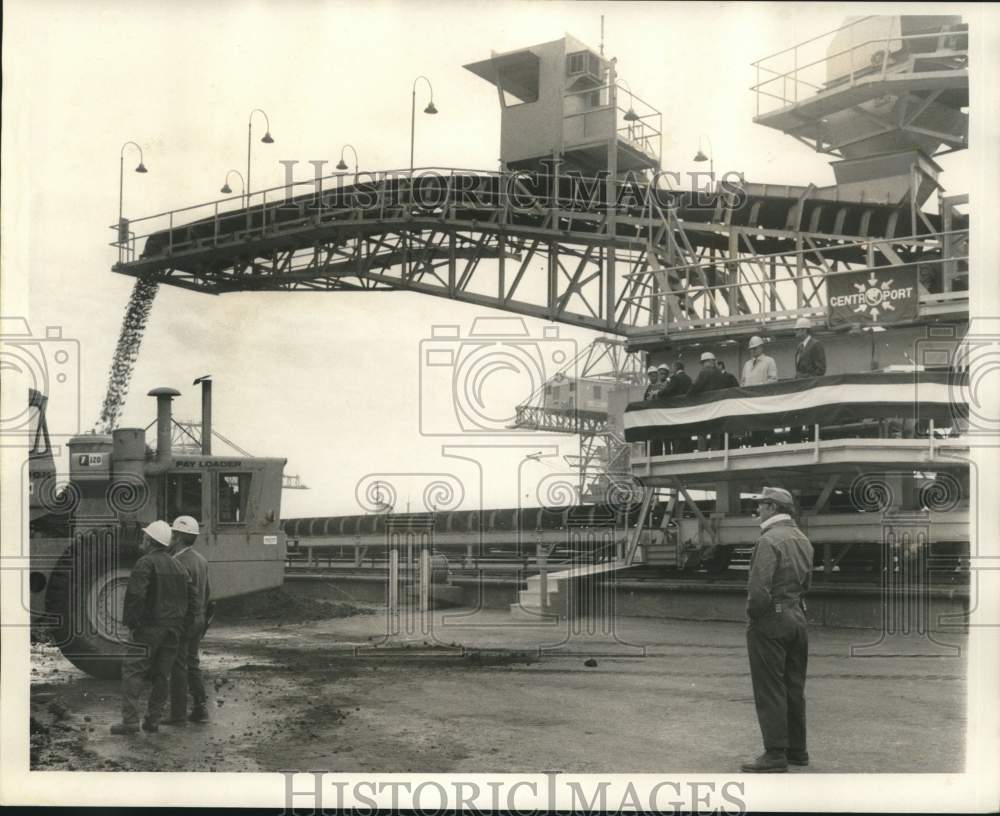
<point x="234" y="490"/>
<point x="183" y="495"/>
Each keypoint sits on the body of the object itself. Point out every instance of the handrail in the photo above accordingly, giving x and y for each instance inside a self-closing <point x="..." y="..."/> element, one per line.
<point x="824" y="275"/>
<point x="929" y="237"/>
<point x="850" y="50"/>
<point x="794" y="73"/>
<point x="817" y="37"/>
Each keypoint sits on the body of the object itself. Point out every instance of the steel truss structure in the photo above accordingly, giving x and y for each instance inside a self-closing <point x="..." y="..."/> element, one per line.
<point x="603" y="458"/>
<point x="653" y="263"/>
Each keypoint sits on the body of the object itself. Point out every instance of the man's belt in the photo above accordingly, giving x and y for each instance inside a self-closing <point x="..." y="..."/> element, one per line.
<point x="790" y="604"/>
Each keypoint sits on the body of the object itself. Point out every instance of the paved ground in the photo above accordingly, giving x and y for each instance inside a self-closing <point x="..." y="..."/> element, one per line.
<point x="326" y="695"/>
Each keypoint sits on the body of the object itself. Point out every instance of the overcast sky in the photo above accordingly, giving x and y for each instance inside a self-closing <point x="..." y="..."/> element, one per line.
<point x="330" y="381"/>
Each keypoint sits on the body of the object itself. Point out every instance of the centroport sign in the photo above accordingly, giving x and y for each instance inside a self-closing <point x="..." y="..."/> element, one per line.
<point x="873" y="296"/>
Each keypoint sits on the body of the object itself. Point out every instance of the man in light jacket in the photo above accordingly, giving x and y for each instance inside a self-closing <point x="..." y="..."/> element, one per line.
<point x="777" y="635"/>
<point x="760" y="368"/>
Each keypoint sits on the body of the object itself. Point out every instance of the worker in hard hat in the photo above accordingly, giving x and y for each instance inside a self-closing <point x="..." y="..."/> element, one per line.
<point x="760" y="369"/>
<point x="810" y="358"/>
<point x="777" y="634"/>
<point x="185" y="677"/>
<point x="159" y="605"/>
<point x="709" y="378"/>
<point x="652" y="383"/>
<point x="679" y="383"/>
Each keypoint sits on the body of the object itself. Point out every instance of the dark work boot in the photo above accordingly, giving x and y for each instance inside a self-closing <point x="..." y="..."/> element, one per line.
<point x="152" y="726"/>
<point x="768" y="762"/>
<point x="198" y="714"/>
<point x="125" y="728"/>
<point x="175" y="719"/>
<point x="798" y="757"/>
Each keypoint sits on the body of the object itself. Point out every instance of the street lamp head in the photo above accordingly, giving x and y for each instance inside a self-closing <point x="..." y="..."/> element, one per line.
<point x="266" y="138"/>
<point x="631" y="115"/>
<point x="141" y="168"/>
<point x="430" y="108"/>
<point x="341" y="165"/>
<point x="226" y="188"/>
<point x="700" y="157"/>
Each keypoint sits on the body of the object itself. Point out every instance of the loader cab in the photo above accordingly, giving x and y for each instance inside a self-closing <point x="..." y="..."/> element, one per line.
<point x="237" y="502"/>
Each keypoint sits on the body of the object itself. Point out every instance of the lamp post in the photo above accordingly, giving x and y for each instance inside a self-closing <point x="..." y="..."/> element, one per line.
<point x="630" y="114"/>
<point x="413" y="112"/>
<point x="342" y="165"/>
<point x="413" y="123"/>
<point x="227" y="189"/>
<point x="140" y="168"/>
<point x="710" y="158"/>
<point x="266" y="139"/>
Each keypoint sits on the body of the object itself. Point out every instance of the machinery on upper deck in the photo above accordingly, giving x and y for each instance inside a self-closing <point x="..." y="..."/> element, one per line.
<point x="85" y="528"/>
<point x="886" y="294"/>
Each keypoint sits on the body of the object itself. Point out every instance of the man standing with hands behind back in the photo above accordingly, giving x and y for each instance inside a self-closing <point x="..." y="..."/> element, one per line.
<point x="777" y="635"/>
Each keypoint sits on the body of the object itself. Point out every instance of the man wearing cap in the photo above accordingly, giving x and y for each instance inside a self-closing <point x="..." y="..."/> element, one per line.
<point x="186" y="673"/>
<point x="760" y="368"/>
<point x="653" y="384"/>
<point x="159" y="605"/>
<point x="810" y="358"/>
<point x="777" y="635"/>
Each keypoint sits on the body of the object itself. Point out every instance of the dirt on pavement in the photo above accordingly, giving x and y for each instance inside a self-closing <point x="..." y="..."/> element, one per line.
<point x="333" y="694"/>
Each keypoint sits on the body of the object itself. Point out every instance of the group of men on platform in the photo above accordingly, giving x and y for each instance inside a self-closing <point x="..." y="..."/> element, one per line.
<point x="665" y="383"/>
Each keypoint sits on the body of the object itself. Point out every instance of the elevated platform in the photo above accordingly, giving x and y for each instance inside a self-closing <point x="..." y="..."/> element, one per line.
<point x="805" y="460"/>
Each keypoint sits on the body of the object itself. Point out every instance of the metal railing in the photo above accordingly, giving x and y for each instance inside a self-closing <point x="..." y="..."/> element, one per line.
<point x="398" y="194"/>
<point x="791" y="76"/>
<point x="701" y="304"/>
<point x="927" y="442"/>
<point x="644" y="132"/>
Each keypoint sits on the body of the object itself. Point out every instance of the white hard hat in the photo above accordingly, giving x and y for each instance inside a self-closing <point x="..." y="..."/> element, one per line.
<point x="756" y="341"/>
<point x="803" y="323"/>
<point x="651" y="370"/>
<point x="185" y="524"/>
<point x="707" y="355"/>
<point x="663" y="367"/>
<point x="159" y="531"/>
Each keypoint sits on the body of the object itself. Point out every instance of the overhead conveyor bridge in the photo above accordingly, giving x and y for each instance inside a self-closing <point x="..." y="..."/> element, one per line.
<point x="545" y="246"/>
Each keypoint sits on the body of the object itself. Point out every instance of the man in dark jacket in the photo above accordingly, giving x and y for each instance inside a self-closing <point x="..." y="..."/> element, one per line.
<point x="159" y="606"/>
<point x="709" y="378"/>
<point x="678" y="385"/>
<point x="810" y="358"/>
<point x="777" y="635"/>
<point x="186" y="673"/>
<point x="731" y="381"/>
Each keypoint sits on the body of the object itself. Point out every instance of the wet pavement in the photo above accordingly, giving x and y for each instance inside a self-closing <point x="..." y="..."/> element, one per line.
<point x="473" y="691"/>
